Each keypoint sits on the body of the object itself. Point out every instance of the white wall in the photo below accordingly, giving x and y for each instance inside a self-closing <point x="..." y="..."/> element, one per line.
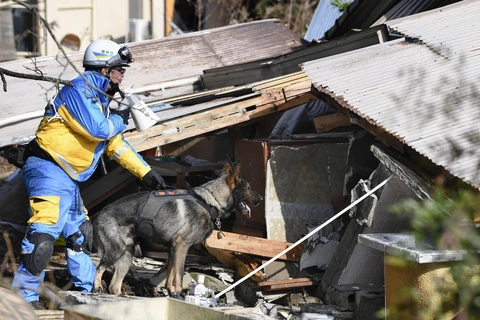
<point x="88" y="20"/>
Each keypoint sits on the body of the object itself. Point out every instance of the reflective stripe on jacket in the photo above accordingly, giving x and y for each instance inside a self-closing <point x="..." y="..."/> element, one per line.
<point x="86" y="130"/>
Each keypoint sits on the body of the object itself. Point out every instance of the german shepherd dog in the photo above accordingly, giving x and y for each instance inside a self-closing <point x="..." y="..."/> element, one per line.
<point x="179" y="221"/>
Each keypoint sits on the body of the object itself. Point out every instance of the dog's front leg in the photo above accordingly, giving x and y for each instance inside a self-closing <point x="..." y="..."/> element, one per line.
<point x="170" y="273"/>
<point x="181" y="250"/>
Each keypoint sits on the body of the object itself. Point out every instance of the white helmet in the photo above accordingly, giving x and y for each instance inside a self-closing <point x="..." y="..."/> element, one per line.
<point x="106" y="53"/>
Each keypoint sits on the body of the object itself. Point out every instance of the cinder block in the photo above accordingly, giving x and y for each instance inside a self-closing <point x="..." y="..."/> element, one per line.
<point x="343" y="297"/>
<point x="368" y="304"/>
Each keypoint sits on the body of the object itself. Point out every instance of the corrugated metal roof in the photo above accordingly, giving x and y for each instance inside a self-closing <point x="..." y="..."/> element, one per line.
<point x="323" y="19"/>
<point x="156" y="61"/>
<point x="362" y="14"/>
<point x="408" y="7"/>
<point x="425" y="93"/>
<point x="244" y="73"/>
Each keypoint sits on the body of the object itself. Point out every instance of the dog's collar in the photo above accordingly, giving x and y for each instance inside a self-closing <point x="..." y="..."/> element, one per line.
<point x="214" y="214"/>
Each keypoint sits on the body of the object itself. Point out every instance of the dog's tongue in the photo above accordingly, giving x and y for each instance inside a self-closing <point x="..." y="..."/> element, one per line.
<point x="243" y="204"/>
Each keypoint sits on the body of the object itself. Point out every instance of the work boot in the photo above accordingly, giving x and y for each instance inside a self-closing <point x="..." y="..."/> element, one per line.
<point x="36" y="305"/>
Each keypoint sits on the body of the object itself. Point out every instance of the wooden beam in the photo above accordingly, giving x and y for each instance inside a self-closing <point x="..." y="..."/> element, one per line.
<point x="385" y="137"/>
<point x="280" y="81"/>
<point x="286" y="284"/>
<point x="213" y="120"/>
<point x="276" y="96"/>
<point x="177" y="148"/>
<point x="331" y="121"/>
<point x="277" y="282"/>
<point x="253" y="245"/>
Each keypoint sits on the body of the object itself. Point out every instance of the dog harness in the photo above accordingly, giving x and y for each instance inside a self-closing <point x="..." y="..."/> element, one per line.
<point x="144" y="226"/>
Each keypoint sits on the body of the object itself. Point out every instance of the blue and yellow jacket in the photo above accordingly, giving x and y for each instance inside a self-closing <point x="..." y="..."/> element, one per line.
<point x="78" y="128"/>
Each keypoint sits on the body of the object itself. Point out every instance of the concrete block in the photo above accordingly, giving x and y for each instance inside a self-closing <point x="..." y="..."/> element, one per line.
<point x="368" y="304"/>
<point x="343" y="296"/>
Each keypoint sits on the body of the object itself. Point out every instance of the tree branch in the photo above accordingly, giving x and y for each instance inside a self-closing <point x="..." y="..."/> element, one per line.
<point x="47" y="26"/>
<point x="60" y="47"/>
<point x="3" y="80"/>
<point x="30" y="76"/>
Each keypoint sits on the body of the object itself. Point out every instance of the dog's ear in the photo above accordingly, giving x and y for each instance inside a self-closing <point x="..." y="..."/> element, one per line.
<point x="227" y="168"/>
<point x="234" y="177"/>
<point x="237" y="169"/>
<point x="236" y="174"/>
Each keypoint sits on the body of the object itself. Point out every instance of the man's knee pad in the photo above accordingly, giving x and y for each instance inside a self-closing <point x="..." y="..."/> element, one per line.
<point x="36" y="261"/>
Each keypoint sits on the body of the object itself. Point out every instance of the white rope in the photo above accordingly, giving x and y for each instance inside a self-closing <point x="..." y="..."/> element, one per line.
<point x="304" y="238"/>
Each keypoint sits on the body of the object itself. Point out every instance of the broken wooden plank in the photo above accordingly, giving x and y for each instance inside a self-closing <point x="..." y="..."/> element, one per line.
<point x="49" y="314"/>
<point x="175" y="126"/>
<point x="243" y="264"/>
<point x="274" y="98"/>
<point x="331" y="121"/>
<point x="141" y="142"/>
<point x="288" y="286"/>
<point x="287" y="281"/>
<point x="262" y="85"/>
<point x="175" y="149"/>
<point x="253" y="245"/>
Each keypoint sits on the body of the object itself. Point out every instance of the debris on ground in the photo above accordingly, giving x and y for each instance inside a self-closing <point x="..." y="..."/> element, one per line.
<point x="260" y="297"/>
<point x="14" y="235"/>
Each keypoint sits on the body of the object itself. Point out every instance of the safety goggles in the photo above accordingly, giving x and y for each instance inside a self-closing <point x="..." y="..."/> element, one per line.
<point x="123" y="57"/>
<point x="119" y="69"/>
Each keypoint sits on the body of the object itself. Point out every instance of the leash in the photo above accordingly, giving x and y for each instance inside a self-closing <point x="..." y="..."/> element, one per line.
<point x="381" y="184"/>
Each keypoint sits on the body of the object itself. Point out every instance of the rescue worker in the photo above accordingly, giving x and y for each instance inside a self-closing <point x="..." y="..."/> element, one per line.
<point x="77" y="128"/>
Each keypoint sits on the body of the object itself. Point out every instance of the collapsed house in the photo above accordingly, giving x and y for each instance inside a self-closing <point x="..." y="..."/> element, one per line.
<point x="316" y="126"/>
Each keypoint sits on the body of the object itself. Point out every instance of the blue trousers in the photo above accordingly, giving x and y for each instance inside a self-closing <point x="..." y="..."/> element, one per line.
<point x="60" y="212"/>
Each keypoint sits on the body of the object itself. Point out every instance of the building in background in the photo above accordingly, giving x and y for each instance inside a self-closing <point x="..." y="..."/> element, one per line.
<point x="78" y="22"/>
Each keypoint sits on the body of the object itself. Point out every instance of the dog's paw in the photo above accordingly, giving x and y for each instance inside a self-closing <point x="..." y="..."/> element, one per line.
<point x="178" y="297"/>
<point x="98" y="290"/>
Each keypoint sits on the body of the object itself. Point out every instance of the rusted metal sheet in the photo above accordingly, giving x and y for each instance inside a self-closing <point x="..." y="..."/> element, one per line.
<point x="424" y="91"/>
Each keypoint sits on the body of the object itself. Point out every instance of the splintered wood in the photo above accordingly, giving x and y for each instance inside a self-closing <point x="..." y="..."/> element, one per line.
<point x="253" y="245"/>
<point x="286" y="284"/>
<point x="267" y="97"/>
